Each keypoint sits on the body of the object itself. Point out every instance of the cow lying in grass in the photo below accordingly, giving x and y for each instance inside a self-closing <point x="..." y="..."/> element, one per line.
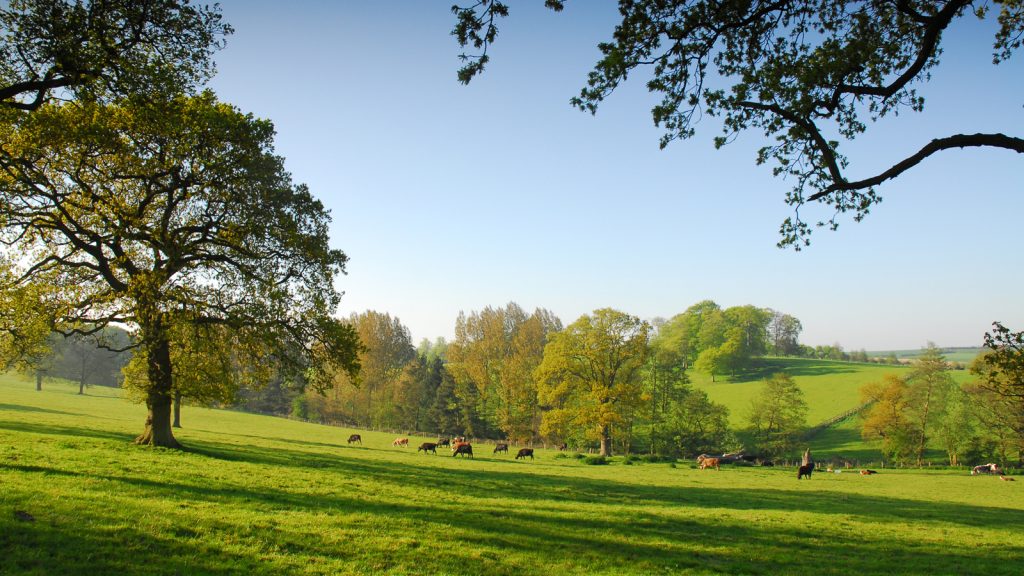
<point x="501" y="447"/>
<point x="355" y="438"/>
<point x="524" y="452"/>
<point x="400" y="442"/>
<point x="463" y="448"/>
<point x="868" y="472"/>
<point x="428" y="447"/>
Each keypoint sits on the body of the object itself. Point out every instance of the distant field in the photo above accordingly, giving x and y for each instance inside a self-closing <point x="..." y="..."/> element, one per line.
<point x="830" y="387"/>
<point x="260" y="495"/>
<point x="963" y="355"/>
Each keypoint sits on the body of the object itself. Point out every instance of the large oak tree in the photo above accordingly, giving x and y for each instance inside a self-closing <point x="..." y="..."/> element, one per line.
<point x="162" y="213"/>
<point x="808" y="74"/>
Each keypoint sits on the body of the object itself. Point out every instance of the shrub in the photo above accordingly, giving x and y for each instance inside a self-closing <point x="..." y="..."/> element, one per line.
<point x="578" y="456"/>
<point x="595" y="460"/>
<point x="561" y="455"/>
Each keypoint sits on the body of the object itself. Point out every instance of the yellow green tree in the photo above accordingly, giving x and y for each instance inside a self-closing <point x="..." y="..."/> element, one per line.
<point x="159" y="213"/>
<point x="591" y="378"/>
<point x="888" y="420"/>
<point x="496" y="352"/>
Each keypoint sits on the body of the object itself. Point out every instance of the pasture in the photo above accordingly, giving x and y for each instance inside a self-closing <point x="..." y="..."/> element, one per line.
<point x="260" y="495"/>
<point x="830" y="387"/>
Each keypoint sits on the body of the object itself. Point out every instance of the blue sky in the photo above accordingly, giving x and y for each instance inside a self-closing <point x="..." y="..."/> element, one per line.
<point x="449" y="198"/>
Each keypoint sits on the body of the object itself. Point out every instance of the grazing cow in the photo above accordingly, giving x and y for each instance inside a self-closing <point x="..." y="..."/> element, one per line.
<point x="563" y="446"/>
<point x="501" y="447"/>
<point x="708" y="462"/>
<point x="400" y="442"/>
<point x="804" y="470"/>
<point x="355" y="438"/>
<point x="524" y="452"/>
<point x="463" y="448"/>
<point x="443" y="442"/>
<point x="456" y="444"/>
<point x="428" y="447"/>
<point x="868" y="472"/>
<point x="1006" y="478"/>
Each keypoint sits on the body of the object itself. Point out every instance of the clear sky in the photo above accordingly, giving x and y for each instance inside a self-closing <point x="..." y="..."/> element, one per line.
<point x="449" y="198"/>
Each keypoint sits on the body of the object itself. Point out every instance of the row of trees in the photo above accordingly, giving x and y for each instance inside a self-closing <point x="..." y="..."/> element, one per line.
<point x="982" y="420"/>
<point x="609" y="379"/>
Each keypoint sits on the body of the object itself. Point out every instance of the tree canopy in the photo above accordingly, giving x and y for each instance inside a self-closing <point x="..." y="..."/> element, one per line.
<point x="808" y="75"/>
<point x="164" y="213"/>
<point x="591" y="375"/>
<point x="103" y="49"/>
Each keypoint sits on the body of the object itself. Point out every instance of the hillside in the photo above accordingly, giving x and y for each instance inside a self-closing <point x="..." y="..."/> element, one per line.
<point x="830" y="387"/>
<point x="260" y="495"/>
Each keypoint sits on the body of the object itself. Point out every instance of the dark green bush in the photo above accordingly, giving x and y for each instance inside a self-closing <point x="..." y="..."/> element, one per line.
<point x="595" y="460"/>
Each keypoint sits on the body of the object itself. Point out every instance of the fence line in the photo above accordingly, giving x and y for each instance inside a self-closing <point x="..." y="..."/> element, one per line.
<point x="822" y="426"/>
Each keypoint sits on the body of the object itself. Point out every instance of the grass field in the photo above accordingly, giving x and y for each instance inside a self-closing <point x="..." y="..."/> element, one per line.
<point x="259" y="495"/>
<point x="830" y="387"/>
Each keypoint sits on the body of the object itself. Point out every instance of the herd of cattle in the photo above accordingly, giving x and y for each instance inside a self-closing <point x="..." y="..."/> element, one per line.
<point x="459" y="446"/>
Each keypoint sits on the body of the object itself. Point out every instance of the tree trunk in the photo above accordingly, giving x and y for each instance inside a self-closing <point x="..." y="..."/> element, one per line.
<point x="177" y="410"/>
<point x="606" y="441"/>
<point x="81" y="387"/>
<point x="158" y="398"/>
<point x="39" y="380"/>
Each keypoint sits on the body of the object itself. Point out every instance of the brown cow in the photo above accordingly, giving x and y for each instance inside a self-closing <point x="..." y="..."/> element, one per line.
<point x="501" y="447"/>
<point x="444" y="442"/>
<point x="524" y="452"/>
<point x="804" y="470"/>
<point x="400" y="442"/>
<point x="355" y="438"/>
<point x="1006" y="478"/>
<point x="428" y="447"/>
<point x="463" y="448"/>
<point x="562" y="447"/>
<point x="868" y="472"/>
<point x="709" y="463"/>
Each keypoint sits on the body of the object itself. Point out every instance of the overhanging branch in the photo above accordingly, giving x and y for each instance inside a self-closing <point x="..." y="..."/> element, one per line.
<point x="955" y="141"/>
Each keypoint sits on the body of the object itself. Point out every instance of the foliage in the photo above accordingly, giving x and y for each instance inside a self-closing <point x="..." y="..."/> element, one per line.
<point x="888" y="419"/>
<point x="1002" y="370"/>
<point x="591" y="377"/>
<point x="929" y="390"/>
<point x="166" y="215"/>
<point x="103" y="49"/>
<point x="497" y="351"/>
<point x="808" y="75"/>
<point x="778" y="415"/>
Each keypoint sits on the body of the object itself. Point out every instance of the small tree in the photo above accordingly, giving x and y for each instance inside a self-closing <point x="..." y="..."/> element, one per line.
<point x="887" y="420"/>
<point x="778" y="415"/>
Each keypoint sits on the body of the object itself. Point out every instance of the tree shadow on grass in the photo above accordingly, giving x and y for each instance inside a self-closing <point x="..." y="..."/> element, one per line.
<point x="59" y="430"/>
<point x="535" y="486"/>
<point x="763" y="368"/>
<point x="22" y="408"/>
<point x="534" y="522"/>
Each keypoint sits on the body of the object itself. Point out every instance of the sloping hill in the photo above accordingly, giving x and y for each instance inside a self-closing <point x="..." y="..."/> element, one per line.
<point x="830" y="387"/>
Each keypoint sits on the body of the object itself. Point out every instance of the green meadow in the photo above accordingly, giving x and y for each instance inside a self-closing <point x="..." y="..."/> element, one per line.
<point x="260" y="495"/>
<point x="830" y="387"/>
